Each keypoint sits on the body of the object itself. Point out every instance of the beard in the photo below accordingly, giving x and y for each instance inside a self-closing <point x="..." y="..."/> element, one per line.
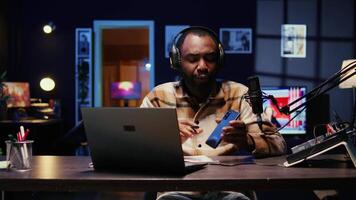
<point x="199" y="82"/>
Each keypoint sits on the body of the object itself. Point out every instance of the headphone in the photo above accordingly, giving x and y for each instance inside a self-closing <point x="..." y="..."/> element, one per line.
<point x="175" y="55"/>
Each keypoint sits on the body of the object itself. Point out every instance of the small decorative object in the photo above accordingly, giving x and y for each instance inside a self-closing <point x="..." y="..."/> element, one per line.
<point x="4" y="97"/>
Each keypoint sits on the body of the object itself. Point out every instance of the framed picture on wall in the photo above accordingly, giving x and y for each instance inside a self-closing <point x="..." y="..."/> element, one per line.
<point x="236" y="40"/>
<point x="83" y="42"/>
<point x="171" y="32"/>
<point x="83" y="70"/>
<point x="293" y="40"/>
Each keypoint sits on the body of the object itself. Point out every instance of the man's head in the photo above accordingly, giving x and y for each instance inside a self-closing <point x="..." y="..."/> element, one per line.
<point x="197" y="54"/>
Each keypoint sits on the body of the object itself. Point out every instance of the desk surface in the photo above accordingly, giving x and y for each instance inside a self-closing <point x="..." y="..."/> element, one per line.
<point x="60" y="173"/>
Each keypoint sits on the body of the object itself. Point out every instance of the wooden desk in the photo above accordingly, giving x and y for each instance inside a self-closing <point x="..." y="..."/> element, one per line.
<point x="59" y="173"/>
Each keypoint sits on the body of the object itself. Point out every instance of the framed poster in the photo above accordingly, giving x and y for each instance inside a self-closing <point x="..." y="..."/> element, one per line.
<point x="236" y="40"/>
<point x="83" y="70"/>
<point x="83" y="42"/>
<point x="293" y="40"/>
<point x="171" y="32"/>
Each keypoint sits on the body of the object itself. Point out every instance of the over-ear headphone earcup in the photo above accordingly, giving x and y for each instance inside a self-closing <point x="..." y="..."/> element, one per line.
<point x="174" y="57"/>
<point x="221" y="58"/>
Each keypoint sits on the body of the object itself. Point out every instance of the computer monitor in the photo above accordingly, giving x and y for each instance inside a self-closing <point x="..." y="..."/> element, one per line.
<point x="125" y="90"/>
<point x="19" y="93"/>
<point x="284" y="96"/>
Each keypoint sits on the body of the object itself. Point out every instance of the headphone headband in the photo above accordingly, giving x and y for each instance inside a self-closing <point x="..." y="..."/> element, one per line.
<point x="175" y="54"/>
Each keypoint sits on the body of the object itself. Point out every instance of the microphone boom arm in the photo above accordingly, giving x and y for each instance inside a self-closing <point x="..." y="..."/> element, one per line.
<point x="286" y="109"/>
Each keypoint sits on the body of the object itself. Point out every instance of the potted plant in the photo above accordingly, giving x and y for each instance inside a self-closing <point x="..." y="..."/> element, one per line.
<point x="3" y="97"/>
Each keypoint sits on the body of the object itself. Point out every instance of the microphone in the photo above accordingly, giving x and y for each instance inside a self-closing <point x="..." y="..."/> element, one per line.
<point x="255" y="96"/>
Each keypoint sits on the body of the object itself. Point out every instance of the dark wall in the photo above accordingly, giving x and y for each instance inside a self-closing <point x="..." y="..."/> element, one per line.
<point x="3" y="37"/>
<point x="31" y="54"/>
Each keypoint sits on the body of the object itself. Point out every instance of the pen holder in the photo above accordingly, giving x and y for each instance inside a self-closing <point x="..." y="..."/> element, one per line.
<point x="19" y="154"/>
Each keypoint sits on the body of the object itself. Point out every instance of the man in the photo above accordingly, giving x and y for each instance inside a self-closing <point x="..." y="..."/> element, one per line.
<point x="201" y="101"/>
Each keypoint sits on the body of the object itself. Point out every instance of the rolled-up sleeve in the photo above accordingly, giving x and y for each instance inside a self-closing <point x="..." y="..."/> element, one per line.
<point x="264" y="143"/>
<point x="146" y="103"/>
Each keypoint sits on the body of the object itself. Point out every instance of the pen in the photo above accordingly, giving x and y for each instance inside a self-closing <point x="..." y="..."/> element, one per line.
<point x="26" y="134"/>
<point x="22" y="131"/>
<point x="19" y="138"/>
<point x="23" y="148"/>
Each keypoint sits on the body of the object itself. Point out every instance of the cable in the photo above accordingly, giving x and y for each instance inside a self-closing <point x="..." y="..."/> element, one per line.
<point x="297" y="113"/>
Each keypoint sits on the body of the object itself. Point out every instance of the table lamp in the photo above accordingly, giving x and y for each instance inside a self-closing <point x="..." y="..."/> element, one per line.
<point x="125" y="90"/>
<point x="351" y="82"/>
<point x="48" y="85"/>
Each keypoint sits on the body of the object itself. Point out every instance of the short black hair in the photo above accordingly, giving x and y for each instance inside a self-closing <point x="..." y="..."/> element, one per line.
<point x="199" y="32"/>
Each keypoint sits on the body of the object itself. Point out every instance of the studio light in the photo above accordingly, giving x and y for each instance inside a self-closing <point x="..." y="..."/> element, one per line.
<point x="49" y="28"/>
<point x="47" y="84"/>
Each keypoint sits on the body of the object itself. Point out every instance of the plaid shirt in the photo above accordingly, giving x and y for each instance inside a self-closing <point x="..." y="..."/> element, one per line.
<point x="229" y="95"/>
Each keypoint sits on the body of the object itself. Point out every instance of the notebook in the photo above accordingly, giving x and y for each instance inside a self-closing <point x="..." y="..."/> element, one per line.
<point x="135" y="140"/>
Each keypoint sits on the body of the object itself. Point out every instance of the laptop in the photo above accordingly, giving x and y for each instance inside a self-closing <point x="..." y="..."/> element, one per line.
<point x="135" y="140"/>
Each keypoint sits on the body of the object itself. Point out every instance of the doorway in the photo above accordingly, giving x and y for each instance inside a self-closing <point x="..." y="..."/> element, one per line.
<point x="124" y="53"/>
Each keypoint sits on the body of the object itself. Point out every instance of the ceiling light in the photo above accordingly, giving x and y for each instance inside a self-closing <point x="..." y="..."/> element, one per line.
<point x="48" y="28"/>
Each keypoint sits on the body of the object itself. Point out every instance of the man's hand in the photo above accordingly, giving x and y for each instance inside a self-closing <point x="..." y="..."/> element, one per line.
<point x="188" y="129"/>
<point x="235" y="133"/>
<point x="268" y="128"/>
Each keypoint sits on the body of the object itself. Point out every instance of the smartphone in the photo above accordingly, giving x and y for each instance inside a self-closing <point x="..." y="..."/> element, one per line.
<point x="215" y="137"/>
